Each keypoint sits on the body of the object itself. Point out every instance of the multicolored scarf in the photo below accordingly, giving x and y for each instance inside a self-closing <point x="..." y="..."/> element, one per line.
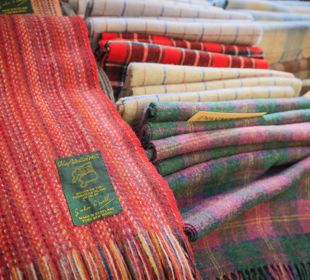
<point x="118" y="54"/>
<point x="52" y="107"/>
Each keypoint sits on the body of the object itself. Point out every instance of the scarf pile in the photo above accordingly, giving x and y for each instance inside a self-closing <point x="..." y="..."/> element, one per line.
<point x="52" y="107"/>
<point x="238" y="183"/>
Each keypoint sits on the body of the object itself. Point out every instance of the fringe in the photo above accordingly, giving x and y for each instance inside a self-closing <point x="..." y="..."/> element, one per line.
<point x="165" y="255"/>
<point x="292" y="271"/>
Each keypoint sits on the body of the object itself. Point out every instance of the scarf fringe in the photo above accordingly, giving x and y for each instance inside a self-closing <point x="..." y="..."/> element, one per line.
<point x="293" y="271"/>
<point x="164" y="255"/>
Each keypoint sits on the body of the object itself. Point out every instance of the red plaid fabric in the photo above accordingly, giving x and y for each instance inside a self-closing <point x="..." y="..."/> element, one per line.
<point x="116" y="55"/>
<point x="247" y="51"/>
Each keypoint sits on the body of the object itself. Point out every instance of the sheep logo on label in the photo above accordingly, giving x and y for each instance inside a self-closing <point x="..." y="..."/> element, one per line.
<point x="84" y="174"/>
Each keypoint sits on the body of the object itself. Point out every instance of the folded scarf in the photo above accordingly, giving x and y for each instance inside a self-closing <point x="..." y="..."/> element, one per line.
<point x="175" y="164"/>
<point x="154" y="131"/>
<point x="118" y="54"/>
<point x="38" y="7"/>
<point x="151" y="74"/>
<point x="179" y="111"/>
<point x="203" y="180"/>
<point x="225" y="32"/>
<point x="145" y="8"/>
<point x="132" y="108"/>
<point x="260" y="230"/>
<point x="247" y="51"/>
<point x="199" y="141"/>
<point x="292" y="39"/>
<point x="52" y="108"/>
<point x="217" y="84"/>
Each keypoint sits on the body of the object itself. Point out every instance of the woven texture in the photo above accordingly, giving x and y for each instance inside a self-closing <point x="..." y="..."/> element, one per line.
<point x="132" y="108"/>
<point x="52" y="107"/>
<point x="226" y="32"/>
<point x="151" y="74"/>
<point x="247" y="51"/>
<point x="118" y="54"/>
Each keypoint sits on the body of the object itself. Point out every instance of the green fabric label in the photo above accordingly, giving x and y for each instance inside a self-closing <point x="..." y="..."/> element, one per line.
<point x="15" y="7"/>
<point x="88" y="189"/>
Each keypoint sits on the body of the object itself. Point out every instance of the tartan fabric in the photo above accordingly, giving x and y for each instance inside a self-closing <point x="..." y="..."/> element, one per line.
<point x="268" y="241"/>
<point x="178" y="163"/>
<point x="217" y="84"/>
<point x="225" y="32"/>
<point x="154" y="131"/>
<point x="118" y="54"/>
<point x="292" y="39"/>
<point x="207" y="140"/>
<point x="179" y="111"/>
<point x="132" y="108"/>
<point x="151" y="74"/>
<point x="145" y="8"/>
<point x="52" y="107"/>
<point x="215" y="177"/>
<point x="247" y="51"/>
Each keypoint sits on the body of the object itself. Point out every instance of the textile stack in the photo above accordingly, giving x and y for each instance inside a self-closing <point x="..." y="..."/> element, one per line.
<point x="163" y="140"/>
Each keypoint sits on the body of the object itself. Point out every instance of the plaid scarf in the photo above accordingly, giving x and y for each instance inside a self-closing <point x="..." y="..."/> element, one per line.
<point x="52" y="107"/>
<point x="247" y="51"/>
<point x="118" y="54"/>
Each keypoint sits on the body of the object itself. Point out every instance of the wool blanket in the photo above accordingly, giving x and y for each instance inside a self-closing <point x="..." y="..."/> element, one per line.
<point x="179" y="111"/>
<point x="292" y="37"/>
<point x="151" y="74"/>
<point x="292" y="82"/>
<point x="38" y="7"/>
<point x="132" y="108"/>
<point x="225" y="32"/>
<point x="118" y="54"/>
<point x="257" y="231"/>
<point x="52" y="108"/>
<point x="215" y="177"/>
<point x="207" y="140"/>
<point x="159" y="130"/>
<point x="247" y="51"/>
<point x="160" y="8"/>
<point x="178" y="163"/>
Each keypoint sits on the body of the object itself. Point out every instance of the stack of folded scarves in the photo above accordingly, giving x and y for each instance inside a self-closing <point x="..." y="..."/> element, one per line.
<point x="150" y="82"/>
<point x="218" y="170"/>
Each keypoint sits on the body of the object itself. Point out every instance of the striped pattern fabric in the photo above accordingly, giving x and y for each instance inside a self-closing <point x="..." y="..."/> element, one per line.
<point x="160" y="8"/>
<point x="225" y="32"/>
<point x="52" y="107"/>
<point x="152" y="74"/>
<point x="292" y="82"/>
<point x="247" y="51"/>
<point x="131" y="108"/>
<point x="259" y="230"/>
<point x="118" y="54"/>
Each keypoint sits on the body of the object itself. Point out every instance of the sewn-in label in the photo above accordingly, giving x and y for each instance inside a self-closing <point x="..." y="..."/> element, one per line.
<point x="204" y="116"/>
<point x="15" y="7"/>
<point x="88" y="189"/>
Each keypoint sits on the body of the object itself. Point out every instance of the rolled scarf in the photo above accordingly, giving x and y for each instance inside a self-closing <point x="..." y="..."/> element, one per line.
<point x="144" y="8"/>
<point x="152" y="74"/>
<point x="225" y="32"/>
<point x="247" y="51"/>
<point x="179" y="111"/>
<point x="199" y="141"/>
<point x="132" y="108"/>
<point x="159" y="130"/>
<point x="118" y="54"/>
<point x="217" y="84"/>
<point x="52" y="108"/>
